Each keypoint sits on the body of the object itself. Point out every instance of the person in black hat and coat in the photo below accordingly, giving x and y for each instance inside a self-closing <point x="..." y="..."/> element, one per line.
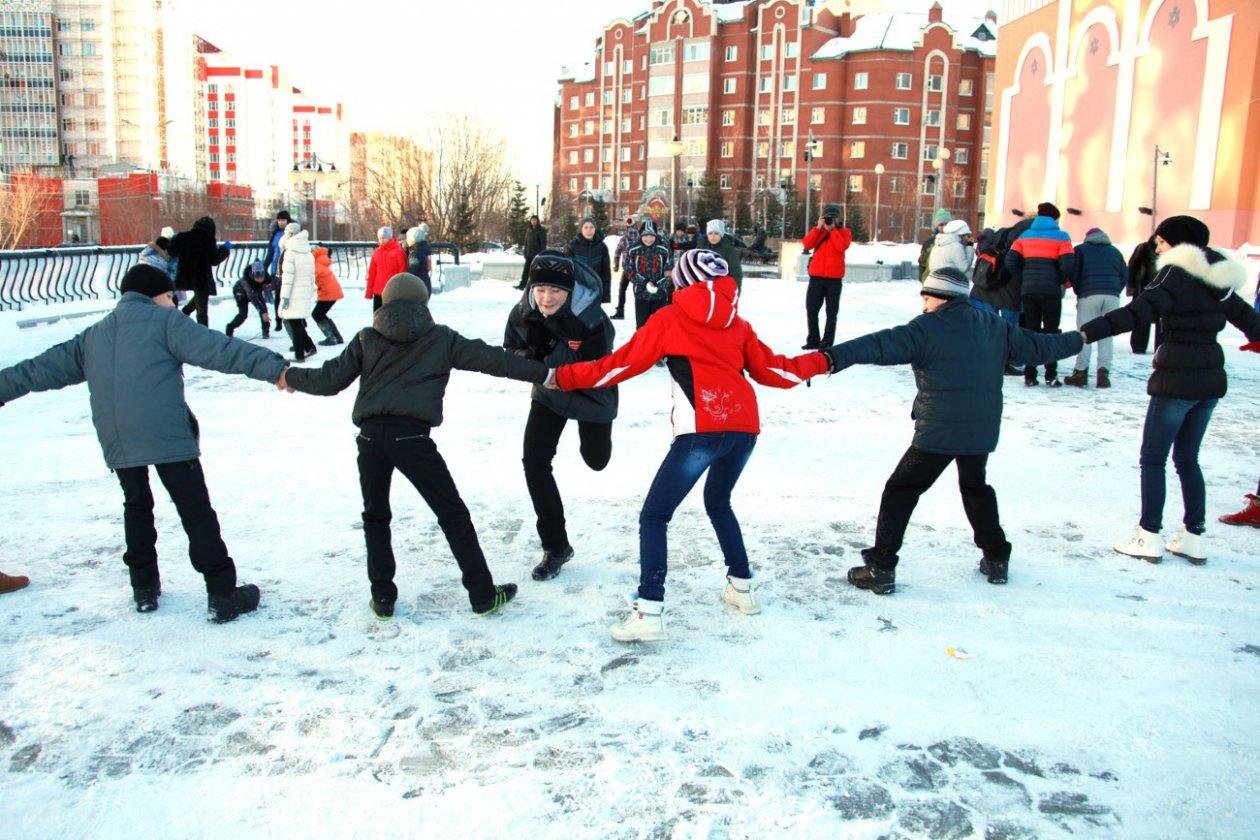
<point x="589" y="249"/>
<point x="198" y="254"/>
<point x="559" y="321"/>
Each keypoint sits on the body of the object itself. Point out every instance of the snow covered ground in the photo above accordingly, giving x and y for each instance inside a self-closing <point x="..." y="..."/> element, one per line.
<point x="1100" y="696"/>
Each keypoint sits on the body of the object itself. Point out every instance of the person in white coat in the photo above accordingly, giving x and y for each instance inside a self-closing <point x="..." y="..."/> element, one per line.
<point x="297" y="288"/>
<point x="953" y="248"/>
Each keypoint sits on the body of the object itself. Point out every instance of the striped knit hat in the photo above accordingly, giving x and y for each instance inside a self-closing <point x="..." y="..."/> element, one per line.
<point x="699" y="265"/>
<point x="946" y="283"/>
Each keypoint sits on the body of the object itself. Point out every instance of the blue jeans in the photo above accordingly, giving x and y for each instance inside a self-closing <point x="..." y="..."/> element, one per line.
<point x="1178" y="425"/>
<point x="724" y="455"/>
<point x="1011" y="316"/>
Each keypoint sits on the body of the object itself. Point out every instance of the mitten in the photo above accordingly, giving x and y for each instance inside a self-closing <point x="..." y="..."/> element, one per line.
<point x="1253" y="346"/>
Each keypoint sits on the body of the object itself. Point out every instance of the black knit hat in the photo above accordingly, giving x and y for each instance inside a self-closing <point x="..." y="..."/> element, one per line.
<point x="552" y="268"/>
<point x="146" y="280"/>
<point x="1176" y="230"/>
<point x="1045" y="208"/>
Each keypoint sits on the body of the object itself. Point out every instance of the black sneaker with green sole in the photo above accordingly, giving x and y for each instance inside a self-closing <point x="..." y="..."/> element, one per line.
<point x="383" y="610"/>
<point x="502" y="594"/>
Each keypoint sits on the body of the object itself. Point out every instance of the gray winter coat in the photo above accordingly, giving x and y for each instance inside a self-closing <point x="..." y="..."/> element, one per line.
<point x="403" y="362"/>
<point x="959" y="355"/>
<point x="132" y="360"/>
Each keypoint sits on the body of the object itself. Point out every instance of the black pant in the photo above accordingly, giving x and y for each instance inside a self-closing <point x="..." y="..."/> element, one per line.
<point x="542" y="435"/>
<point x="302" y="344"/>
<point x="1042" y="314"/>
<point x="621" y="293"/>
<point x="915" y="474"/>
<point x="822" y="290"/>
<point x="242" y="314"/>
<point x="201" y="304"/>
<point x="1141" y="337"/>
<point x="644" y="309"/>
<point x="389" y="443"/>
<point x="376" y="302"/>
<point x="186" y="485"/>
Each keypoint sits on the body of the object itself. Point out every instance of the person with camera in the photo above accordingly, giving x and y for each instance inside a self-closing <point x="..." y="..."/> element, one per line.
<point x="828" y="241"/>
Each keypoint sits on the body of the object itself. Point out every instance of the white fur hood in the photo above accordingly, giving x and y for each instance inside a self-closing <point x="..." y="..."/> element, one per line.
<point x="1227" y="275"/>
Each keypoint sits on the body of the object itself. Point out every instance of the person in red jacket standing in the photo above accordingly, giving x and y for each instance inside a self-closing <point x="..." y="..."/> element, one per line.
<point x="387" y="260"/>
<point x="708" y="347"/>
<point x="828" y="240"/>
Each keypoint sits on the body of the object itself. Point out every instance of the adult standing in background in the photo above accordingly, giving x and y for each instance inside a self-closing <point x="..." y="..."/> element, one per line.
<point x="589" y="249"/>
<point x="272" y="262"/>
<point x="387" y="260"/>
<point x="420" y="254"/>
<point x="297" y="290"/>
<point x="198" y="254"/>
<point x="1042" y="261"/>
<point x="828" y="241"/>
<point x="628" y="240"/>
<point x="1099" y="276"/>
<point x="535" y="243"/>
<point x="939" y="219"/>
<point x="1141" y="273"/>
<point x="953" y="248"/>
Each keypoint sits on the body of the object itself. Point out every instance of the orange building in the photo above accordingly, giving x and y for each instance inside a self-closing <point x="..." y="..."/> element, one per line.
<point x="1109" y="106"/>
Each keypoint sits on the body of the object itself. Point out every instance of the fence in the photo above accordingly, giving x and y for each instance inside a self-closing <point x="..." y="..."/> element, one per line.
<point x="63" y="275"/>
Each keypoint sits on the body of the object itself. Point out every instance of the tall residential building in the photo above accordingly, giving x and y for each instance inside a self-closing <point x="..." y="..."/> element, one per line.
<point x="28" y="95"/>
<point x="319" y="131"/>
<point x="737" y="91"/>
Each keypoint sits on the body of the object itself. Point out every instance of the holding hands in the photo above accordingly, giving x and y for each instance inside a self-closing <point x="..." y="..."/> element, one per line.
<point x="282" y="384"/>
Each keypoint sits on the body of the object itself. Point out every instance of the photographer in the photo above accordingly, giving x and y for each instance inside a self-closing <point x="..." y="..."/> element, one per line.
<point x="828" y="241"/>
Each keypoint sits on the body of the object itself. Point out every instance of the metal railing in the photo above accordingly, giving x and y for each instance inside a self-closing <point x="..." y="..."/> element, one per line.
<point x="64" y="275"/>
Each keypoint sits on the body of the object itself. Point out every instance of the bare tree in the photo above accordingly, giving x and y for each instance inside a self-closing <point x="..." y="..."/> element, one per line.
<point x="470" y="175"/>
<point x="23" y="200"/>
<point x="396" y="186"/>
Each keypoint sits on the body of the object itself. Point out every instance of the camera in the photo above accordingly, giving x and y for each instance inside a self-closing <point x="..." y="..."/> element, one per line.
<point x="829" y="220"/>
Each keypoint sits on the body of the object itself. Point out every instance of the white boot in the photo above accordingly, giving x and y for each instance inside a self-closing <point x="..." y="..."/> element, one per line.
<point x="1190" y="546"/>
<point x="1142" y="544"/>
<point x="739" y="593"/>
<point x="645" y="623"/>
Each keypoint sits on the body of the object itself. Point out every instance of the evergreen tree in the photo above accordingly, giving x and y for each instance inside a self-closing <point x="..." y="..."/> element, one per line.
<point x="465" y="229"/>
<point x="599" y="212"/>
<point x="518" y="215"/>
<point x="857" y="222"/>
<point x="709" y="204"/>
<point x="568" y="228"/>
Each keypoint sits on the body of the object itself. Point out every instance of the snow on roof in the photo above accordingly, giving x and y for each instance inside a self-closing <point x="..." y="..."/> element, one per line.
<point x="730" y="12"/>
<point x="901" y="31"/>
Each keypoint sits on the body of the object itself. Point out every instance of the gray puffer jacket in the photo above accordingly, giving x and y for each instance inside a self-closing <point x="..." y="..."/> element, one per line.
<point x="132" y="360"/>
<point x="405" y="360"/>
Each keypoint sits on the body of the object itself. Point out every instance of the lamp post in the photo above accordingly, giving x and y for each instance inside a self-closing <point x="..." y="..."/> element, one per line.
<point x="311" y="171"/>
<point x="675" y="148"/>
<point x="783" y="188"/>
<point x="1164" y="158"/>
<point x="940" y="164"/>
<point x="690" y="183"/>
<point x="810" y="146"/>
<point x="879" y="177"/>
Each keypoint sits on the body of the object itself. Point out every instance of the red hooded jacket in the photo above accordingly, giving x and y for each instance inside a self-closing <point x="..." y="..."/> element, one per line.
<point x="828" y="247"/>
<point x="708" y="348"/>
<point x="387" y="260"/>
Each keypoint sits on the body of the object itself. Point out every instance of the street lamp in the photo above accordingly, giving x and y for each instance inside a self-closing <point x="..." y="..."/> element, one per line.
<point x="1164" y="158"/>
<point x="690" y="183"/>
<point x="783" y="188"/>
<point x="879" y="177"/>
<point x="674" y="148"/>
<point x="311" y="171"/>
<point x="810" y="146"/>
<point x="941" y="164"/>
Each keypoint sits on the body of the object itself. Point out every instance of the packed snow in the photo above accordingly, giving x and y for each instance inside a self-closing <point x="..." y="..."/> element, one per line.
<point x="1094" y="695"/>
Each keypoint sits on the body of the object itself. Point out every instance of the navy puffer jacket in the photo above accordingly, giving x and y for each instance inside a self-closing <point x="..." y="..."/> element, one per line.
<point x="1100" y="268"/>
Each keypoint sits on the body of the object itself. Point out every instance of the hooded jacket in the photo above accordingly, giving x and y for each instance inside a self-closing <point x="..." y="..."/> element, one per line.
<point x="1100" y="268"/>
<point x="708" y="348"/>
<point x="627" y="241"/>
<point x="327" y="289"/>
<point x="1042" y="260"/>
<point x="1193" y="295"/>
<point x="593" y="254"/>
<point x="730" y="252"/>
<point x="550" y="339"/>
<point x="297" y="287"/>
<point x="252" y="292"/>
<point x="828" y="247"/>
<point x="650" y="264"/>
<point x="132" y="360"/>
<point x="198" y="255"/>
<point x="403" y="363"/>
<point x="950" y="251"/>
<point x="387" y="260"/>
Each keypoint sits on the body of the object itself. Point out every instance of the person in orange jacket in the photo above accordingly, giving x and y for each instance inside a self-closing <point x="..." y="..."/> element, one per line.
<point x="828" y="240"/>
<point x="387" y="260"/>
<point x="327" y="292"/>
<point x="12" y="583"/>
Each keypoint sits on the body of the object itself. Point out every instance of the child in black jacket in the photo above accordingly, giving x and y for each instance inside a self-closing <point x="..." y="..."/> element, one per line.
<point x="251" y="290"/>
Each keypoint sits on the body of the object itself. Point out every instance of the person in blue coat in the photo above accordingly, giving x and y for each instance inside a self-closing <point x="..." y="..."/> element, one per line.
<point x="959" y="352"/>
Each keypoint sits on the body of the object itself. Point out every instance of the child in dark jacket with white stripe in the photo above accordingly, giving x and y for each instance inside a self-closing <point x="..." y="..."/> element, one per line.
<point x="249" y="291"/>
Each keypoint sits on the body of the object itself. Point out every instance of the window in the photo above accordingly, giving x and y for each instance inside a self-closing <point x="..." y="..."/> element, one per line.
<point x="767" y="52"/>
<point x="64" y="75"/>
<point x="661" y="117"/>
<point x="787" y="116"/>
<point x="933" y="117"/>
<point x="732" y="53"/>
<point x="767" y="84"/>
<point x="901" y="116"/>
<point x="930" y="151"/>
<point x="89" y="48"/>
<point x="988" y="92"/>
<point x="573" y="157"/>
<point x="936" y="83"/>
<point x="815" y="182"/>
<point x="642" y="152"/>
<point x="964" y="87"/>
<point x="607" y="156"/>
<point x="964" y="122"/>
<point x="857" y="149"/>
<point x="231" y="158"/>
<point x="855" y="183"/>
<point x="65" y="48"/>
<point x="625" y="125"/>
<point x="894" y="183"/>
<point x="984" y="187"/>
<point x="728" y="118"/>
<point x="93" y="125"/>
<point x="818" y="149"/>
<point x="63" y="25"/>
<point x="642" y="92"/>
<point x="791" y="49"/>
<point x="904" y="81"/>
<point x="625" y="182"/>
<point x="820" y="81"/>
<point x="573" y="129"/>
<point x="626" y="95"/>
<point x="608" y="97"/>
<point x="763" y="149"/>
<point x="589" y="182"/>
<point x="763" y="116"/>
<point x="817" y="115"/>
<point x="660" y="85"/>
<point x="67" y="125"/>
<point x="663" y="54"/>
<point x="590" y="99"/>
<point x="573" y="184"/>
<point x="696" y="147"/>
<point x="728" y="84"/>
<point x="609" y="67"/>
<point x="960" y="189"/>
<point x="588" y="156"/>
<point x="696" y="115"/>
<point x="573" y="102"/>
<point x="789" y="83"/>
<point x="695" y="83"/>
<point x="787" y="149"/>
<point x="960" y="157"/>
<point x="900" y="151"/>
<point x="929" y="185"/>
<point x="588" y="127"/>
<point x="696" y="51"/>
<point x="859" y="116"/>
<point x="627" y="67"/>
<point x="861" y="81"/>
<point x="625" y="154"/>
<point x="608" y="124"/>
<point x="212" y="89"/>
<point x="724" y="182"/>
<point x="728" y="149"/>
<point x="642" y="121"/>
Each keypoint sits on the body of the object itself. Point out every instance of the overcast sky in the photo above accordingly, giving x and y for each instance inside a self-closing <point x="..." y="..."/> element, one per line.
<point x="395" y="65"/>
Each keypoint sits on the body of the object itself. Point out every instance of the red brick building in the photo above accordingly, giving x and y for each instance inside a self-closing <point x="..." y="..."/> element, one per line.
<point x="736" y="91"/>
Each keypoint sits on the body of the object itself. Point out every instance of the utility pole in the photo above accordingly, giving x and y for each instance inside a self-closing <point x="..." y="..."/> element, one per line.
<point x="809" y="174"/>
<point x="1164" y="158"/>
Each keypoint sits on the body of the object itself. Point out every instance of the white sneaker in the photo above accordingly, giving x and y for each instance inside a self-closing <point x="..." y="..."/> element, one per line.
<point x="1142" y="544"/>
<point x="739" y="593"/>
<point x="1189" y="546"/>
<point x="645" y="623"/>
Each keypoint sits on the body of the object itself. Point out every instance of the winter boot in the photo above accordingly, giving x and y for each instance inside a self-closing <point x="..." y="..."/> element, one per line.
<point x="225" y="608"/>
<point x="880" y="579"/>
<point x="739" y="593"/>
<point x="1011" y="370"/>
<point x="502" y="594"/>
<point x="1054" y="382"/>
<point x="383" y="610"/>
<point x="1030" y="382"/>
<point x="1142" y="544"/>
<point x="228" y="330"/>
<point x="1104" y="378"/>
<point x="551" y="563"/>
<point x="146" y="597"/>
<point x="1249" y="515"/>
<point x="646" y="623"/>
<point x="619" y="315"/>
<point x="12" y="583"/>
<point x="332" y="337"/>
<point x="1079" y="378"/>
<point x="994" y="569"/>
<point x="1188" y="546"/>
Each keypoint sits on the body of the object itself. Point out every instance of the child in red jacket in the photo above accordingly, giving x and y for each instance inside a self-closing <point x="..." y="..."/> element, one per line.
<point x="708" y="347"/>
<point x="387" y="260"/>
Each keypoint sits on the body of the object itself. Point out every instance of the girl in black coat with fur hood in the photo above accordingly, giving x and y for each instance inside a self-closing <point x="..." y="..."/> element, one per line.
<point x="1193" y="295"/>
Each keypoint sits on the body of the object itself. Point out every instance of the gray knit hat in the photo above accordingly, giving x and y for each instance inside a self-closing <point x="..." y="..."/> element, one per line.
<point x="716" y="226"/>
<point x="405" y="287"/>
<point x="946" y="283"/>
